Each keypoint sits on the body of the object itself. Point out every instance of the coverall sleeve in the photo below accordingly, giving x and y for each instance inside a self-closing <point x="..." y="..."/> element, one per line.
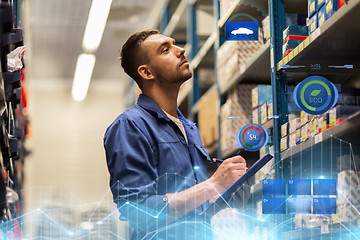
<point x="131" y="161"/>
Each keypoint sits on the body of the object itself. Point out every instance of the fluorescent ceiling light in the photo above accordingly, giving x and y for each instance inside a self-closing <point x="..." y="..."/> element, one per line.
<point x="95" y="25"/>
<point x="83" y="71"/>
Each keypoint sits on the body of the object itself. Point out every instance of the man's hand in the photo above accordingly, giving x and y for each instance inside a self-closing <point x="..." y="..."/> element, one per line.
<point x="227" y="173"/>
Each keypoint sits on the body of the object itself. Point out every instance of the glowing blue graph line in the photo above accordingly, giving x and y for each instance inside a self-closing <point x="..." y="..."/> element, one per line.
<point x="349" y="230"/>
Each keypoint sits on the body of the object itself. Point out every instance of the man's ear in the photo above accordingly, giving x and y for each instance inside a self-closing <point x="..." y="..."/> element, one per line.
<point x="145" y="72"/>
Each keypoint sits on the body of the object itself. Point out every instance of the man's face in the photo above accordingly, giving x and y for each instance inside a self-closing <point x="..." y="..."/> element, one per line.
<point x="166" y="60"/>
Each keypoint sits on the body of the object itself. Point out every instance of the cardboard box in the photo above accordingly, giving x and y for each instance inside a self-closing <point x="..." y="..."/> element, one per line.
<point x="324" y="122"/>
<point x="285" y="129"/>
<point x="292" y="139"/>
<point x="272" y="150"/>
<point x="266" y="29"/>
<point x="298" y="135"/>
<point x="348" y="187"/>
<point x="304" y="118"/>
<point x="347" y="213"/>
<point x="261" y="94"/>
<point x="294" y="124"/>
<point x="208" y="118"/>
<point x="331" y="6"/>
<point x="270" y="111"/>
<point x="263" y="113"/>
<point x="255" y="116"/>
<point x="313" y="127"/>
<point x="313" y="24"/>
<point x="319" y="4"/>
<point x="289" y="45"/>
<point x="305" y="132"/>
<point x="284" y="143"/>
<point x="321" y="16"/>
<point x="311" y="7"/>
<point x="238" y="105"/>
<point x="295" y="32"/>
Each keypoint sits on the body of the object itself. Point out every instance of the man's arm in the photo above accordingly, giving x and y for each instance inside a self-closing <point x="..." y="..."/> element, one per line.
<point x="185" y="201"/>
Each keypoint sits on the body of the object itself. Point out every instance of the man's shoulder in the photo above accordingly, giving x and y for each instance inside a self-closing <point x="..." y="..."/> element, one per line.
<point x="134" y="115"/>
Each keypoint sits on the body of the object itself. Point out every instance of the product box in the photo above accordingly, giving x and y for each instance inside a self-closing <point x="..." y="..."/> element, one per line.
<point x="295" y="32"/>
<point x="284" y="143"/>
<point x="305" y="132"/>
<point x="284" y="129"/>
<point x="266" y="29"/>
<point x="292" y="139"/>
<point x="290" y="45"/>
<point x="246" y="50"/>
<point x="340" y="3"/>
<point x="264" y="150"/>
<point x="331" y="6"/>
<point x="261" y="94"/>
<point x="324" y="122"/>
<point x="270" y="111"/>
<point x="319" y="4"/>
<point x="348" y="187"/>
<point x="298" y="135"/>
<point x="313" y="127"/>
<point x="272" y="150"/>
<point x="238" y="104"/>
<point x="346" y="213"/>
<point x="312" y="24"/>
<point x="255" y="97"/>
<point x="255" y="116"/>
<point x="294" y="124"/>
<point x="304" y="118"/>
<point x="291" y="116"/>
<point x="263" y="113"/>
<point x="227" y="61"/>
<point x="332" y="117"/>
<point x="321" y="16"/>
<point x="311" y="7"/>
<point x="208" y="118"/>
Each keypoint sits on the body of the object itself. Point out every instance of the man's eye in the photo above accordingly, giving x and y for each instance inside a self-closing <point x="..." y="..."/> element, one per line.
<point x="165" y="50"/>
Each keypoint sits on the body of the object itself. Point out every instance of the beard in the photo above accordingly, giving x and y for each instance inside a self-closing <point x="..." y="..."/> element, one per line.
<point x="179" y="75"/>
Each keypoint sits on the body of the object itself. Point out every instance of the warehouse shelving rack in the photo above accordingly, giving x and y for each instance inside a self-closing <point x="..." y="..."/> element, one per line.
<point x="329" y="51"/>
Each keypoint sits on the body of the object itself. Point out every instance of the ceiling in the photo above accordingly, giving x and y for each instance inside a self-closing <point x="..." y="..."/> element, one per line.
<point x="54" y="31"/>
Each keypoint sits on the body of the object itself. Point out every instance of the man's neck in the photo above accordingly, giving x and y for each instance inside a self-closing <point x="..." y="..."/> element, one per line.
<point x="167" y="100"/>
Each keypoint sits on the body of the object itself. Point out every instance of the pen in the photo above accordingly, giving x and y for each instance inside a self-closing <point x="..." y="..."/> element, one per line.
<point x="217" y="160"/>
<point x="220" y="161"/>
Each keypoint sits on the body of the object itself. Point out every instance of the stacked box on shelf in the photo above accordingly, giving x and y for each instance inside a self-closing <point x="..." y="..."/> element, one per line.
<point x="246" y="49"/>
<point x="232" y="57"/>
<point x="266" y="29"/>
<point x="348" y="199"/>
<point x="238" y="106"/>
<point x="261" y="103"/>
<point x="321" y="10"/>
<point x="292" y="37"/>
<point x="268" y="170"/>
<point x="208" y="118"/>
<point x="227" y="62"/>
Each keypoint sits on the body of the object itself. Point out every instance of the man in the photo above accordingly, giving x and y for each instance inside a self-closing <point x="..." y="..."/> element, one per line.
<point x="155" y="156"/>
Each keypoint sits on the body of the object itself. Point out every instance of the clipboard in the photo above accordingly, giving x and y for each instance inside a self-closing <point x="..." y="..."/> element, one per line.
<point x="220" y="203"/>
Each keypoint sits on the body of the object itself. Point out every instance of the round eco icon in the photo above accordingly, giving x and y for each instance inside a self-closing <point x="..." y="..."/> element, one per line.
<point x="315" y="95"/>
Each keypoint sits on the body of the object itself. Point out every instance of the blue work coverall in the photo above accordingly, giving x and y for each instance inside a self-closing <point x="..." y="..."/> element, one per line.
<point x="148" y="157"/>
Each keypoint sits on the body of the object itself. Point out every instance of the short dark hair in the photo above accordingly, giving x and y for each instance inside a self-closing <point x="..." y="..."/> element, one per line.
<point x="132" y="56"/>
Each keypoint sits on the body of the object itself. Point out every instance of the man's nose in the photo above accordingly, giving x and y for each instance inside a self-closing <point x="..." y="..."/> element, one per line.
<point x="180" y="51"/>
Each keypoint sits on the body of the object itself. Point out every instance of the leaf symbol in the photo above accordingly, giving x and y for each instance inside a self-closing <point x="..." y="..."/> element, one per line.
<point x="315" y="92"/>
